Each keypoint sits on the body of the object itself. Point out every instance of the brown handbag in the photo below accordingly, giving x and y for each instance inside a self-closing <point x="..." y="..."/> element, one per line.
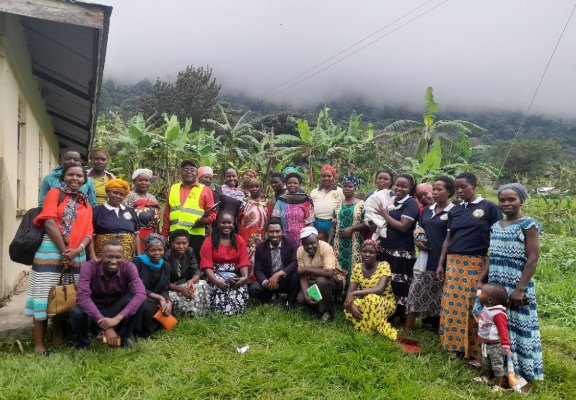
<point x="62" y="297"/>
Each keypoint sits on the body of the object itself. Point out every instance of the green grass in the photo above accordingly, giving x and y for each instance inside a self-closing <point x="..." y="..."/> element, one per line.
<point x="291" y="356"/>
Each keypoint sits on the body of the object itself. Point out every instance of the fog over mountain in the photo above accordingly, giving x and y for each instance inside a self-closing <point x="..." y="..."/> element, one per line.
<point x="476" y="55"/>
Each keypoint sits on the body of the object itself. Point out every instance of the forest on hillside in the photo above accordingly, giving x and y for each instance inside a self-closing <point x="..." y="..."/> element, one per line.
<point x="425" y="143"/>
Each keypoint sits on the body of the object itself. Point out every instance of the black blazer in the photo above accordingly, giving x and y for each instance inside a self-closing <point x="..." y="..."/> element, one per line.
<point x="263" y="259"/>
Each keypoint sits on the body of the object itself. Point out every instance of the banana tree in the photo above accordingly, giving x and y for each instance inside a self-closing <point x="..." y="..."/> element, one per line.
<point x="423" y="134"/>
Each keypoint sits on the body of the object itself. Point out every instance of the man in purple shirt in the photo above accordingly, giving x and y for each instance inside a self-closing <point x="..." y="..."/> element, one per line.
<point x="109" y="293"/>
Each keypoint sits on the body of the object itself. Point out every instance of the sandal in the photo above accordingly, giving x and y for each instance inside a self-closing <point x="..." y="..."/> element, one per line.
<point x="474" y="364"/>
<point x="482" y="379"/>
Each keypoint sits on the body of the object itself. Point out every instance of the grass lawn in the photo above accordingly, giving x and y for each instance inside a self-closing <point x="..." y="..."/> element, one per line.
<point x="293" y="356"/>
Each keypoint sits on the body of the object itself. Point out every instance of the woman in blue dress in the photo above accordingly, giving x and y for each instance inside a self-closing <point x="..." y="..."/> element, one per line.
<point x="514" y="252"/>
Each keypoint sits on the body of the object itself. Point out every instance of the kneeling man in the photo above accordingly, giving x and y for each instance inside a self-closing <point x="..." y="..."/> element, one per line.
<point x="109" y="293"/>
<point x="275" y="266"/>
<point x="317" y="265"/>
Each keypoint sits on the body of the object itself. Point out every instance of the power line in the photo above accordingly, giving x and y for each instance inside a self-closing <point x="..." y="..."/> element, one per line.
<point x="537" y="88"/>
<point x="357" y="50"/>
<point x="343" y="51"/>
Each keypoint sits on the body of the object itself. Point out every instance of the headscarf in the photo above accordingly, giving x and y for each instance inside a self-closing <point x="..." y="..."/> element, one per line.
<point x="353" y="180"/>
<point x="205" y="171"/>
<point x="152" y="239"/>
<point x="100" y="150"/>
<point x="373" y="243"/>
<point x="517" y="187"/>
<point x="249" y="170"/>
<point x="118" y="184"/>
<point x="330" y="168"/>
<point x="290" y="170"/>
<point x="307" y="231"/>
<point x="423" y="188"/>
<point x="142" y="171"/>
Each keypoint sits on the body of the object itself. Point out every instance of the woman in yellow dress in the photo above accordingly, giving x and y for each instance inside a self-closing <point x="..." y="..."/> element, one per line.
<point x="369" y="301"/>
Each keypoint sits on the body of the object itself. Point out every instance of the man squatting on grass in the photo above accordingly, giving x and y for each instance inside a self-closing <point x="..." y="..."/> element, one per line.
<point x="110" y="294"/>
<point x="275" y="266"/>
<point x="317" y="265"/>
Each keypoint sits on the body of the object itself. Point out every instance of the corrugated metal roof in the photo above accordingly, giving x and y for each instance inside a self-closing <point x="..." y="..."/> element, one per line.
<point x="67" y="45"/>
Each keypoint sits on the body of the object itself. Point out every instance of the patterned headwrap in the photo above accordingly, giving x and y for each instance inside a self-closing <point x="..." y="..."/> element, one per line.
<point x="307" y="231"/>
<point x="118" y="184"/>
<point x="424" y="188"/>
<point x="152" y="239"/>
<point x="250" y="170"/>
<point x="353" y="180"/>
<point x="330" y="168"/>
<point x="517" y="187"/>
<point x="373" y="243"/>
<point x="142" y="171"/>
<point x="205" y="171"/>
<point x="290" y="170"/>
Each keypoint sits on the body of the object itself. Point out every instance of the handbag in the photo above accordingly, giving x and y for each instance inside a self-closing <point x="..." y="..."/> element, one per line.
<point x="62" y="297"/>
<point x="167" y="321"/>
<point x="421" y="262"/>
<point x="28" y="237"/>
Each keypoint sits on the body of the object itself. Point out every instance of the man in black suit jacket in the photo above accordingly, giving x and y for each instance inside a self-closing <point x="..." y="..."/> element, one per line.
<point x="275" y="266"/>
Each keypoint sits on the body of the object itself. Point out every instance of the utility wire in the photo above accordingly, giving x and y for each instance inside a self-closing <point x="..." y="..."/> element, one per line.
<point x="537" y="88"/>
<point x="357" y="50"/>
<point x="294" y="78"/>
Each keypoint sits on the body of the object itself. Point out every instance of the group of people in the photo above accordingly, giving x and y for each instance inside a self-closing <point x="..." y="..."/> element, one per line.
<point x="211" y="248"/>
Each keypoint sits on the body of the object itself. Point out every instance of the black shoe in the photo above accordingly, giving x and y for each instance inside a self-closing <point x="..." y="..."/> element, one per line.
<point x="82" y="346"/>
<point x="128" y="343"/>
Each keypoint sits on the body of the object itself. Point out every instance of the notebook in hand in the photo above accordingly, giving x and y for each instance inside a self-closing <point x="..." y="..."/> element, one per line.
<point x="314" y="292"/>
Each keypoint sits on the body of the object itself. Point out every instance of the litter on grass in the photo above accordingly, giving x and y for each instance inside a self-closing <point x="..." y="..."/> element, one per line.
<point x="242" y="350"/>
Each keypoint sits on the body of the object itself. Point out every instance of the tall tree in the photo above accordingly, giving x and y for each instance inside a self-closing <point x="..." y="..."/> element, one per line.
<point x="194" y="95"/>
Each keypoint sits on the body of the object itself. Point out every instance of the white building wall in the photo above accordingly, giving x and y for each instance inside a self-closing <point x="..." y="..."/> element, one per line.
<point x="18" y="85"/>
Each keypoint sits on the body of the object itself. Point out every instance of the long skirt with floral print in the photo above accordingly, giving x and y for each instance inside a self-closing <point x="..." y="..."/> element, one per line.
<point x="232" y="300"/>
<point x="195" y="307"/>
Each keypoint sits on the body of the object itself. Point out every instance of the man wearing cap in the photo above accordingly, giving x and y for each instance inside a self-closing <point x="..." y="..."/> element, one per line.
<point x="317" y="265"/>
<point x="186" y="205"/>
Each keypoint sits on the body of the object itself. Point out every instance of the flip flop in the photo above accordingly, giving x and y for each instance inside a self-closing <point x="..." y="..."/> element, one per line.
<point x="482" y="379"/>
<point x="409" y="345"/>
<point x="474" y="364"/>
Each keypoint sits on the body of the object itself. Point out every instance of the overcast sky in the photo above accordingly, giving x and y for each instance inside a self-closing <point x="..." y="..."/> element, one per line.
<point x="476" y="54"/>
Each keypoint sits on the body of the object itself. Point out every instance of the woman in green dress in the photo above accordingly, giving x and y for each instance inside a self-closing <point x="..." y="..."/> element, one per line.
<point x="347" y="229"/>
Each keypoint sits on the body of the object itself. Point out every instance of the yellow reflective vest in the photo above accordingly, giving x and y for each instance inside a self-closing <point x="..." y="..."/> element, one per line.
<point x="183" y="216"/>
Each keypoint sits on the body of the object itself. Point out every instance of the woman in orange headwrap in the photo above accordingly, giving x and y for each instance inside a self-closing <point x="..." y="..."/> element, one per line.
<point x="114" y="220"/>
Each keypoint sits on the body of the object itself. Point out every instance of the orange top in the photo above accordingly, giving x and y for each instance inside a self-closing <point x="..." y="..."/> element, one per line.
<point x="82" y="225"/>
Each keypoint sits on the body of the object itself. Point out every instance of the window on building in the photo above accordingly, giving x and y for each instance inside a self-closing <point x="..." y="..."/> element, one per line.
<point x="21" y="165"/>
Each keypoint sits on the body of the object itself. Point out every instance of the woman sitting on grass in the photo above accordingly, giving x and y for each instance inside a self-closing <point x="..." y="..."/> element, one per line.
<point x="224" y="259"/>
<point x="190" y="295"/>
<point x="155" y="275"/>
<point x="370" y="301"/>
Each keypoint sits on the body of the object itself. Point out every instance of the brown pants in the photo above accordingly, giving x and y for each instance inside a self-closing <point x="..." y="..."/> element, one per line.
<point x="330" y="288"/>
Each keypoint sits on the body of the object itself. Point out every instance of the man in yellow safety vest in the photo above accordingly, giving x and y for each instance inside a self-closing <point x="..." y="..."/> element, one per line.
<point x="186" y="205"/>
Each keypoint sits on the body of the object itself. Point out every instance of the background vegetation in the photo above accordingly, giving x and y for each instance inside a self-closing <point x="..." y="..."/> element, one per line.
<point x="159" y="123"/>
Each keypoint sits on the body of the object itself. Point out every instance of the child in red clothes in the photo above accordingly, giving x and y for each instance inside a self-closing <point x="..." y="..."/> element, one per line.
<point x="493" y="332"/>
